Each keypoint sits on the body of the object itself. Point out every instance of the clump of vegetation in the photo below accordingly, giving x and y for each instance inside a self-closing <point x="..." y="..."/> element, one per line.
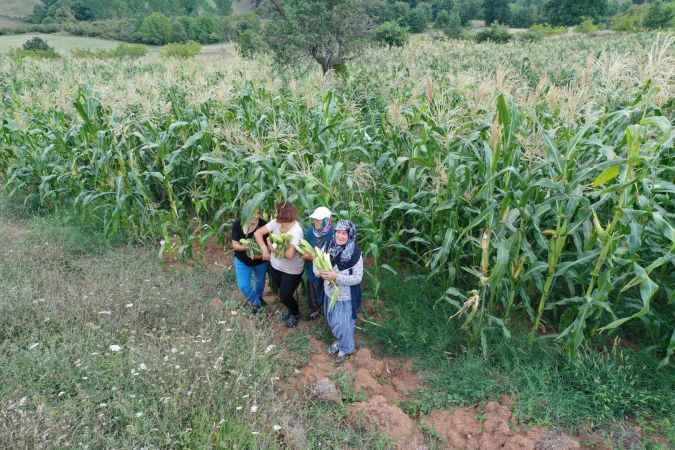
<point x="391" y="34"/>
<point x="130" y="51"/>
<point x="36" y="44"/>
<point x="450" y="24"/>
<point x="653" y="16"/>
<point x="659" y="15"/>
<point x="181" y="50"/>
<point x="587" y="26"/>
<point x="495" y="33"/>
<point x="35" y="48"/>
<point x="548" y="30"/>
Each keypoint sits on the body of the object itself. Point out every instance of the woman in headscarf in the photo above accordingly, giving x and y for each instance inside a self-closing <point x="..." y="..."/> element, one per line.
<point x="318" y="234"/>
<point x="346" y="277"/>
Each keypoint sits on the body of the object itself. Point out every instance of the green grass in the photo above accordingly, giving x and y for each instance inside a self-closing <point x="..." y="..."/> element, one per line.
<point x="60" y="42"/>
<point x="17" y="8"/>
<point x="186" y="375"/>
<point x="606" y="384"/>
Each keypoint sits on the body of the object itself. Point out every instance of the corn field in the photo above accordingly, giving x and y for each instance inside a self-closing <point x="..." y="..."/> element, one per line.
<point x="533" y="183"/>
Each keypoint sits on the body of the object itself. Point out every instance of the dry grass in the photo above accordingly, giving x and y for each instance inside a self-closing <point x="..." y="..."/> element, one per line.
<point x="17" y="8"/>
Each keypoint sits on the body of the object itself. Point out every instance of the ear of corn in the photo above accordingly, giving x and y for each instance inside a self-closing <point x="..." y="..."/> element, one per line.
<point x="323" y="264"/>
<point x="252" y="247"/>
<point x="305" y="247"/>
<point x="280" y="243"/>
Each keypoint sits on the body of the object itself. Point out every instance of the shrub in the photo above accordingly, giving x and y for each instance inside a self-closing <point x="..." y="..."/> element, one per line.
<point x="450" y="24"/>
<point x="39" y="54"/>
<point x="417" y="19"/>
<point x="548" y="30"/>
<point x="587" y="26"/>
<point x="530" y="36"/>
<point x="249" y="43"/>
<point x="391" y="34"/>
<point x="36" y="44"/>
<point x="130" y="51"/>
<point x="496" y="33"/>
<point x="181" y="50"/>
<point x="121" y="51"/>
<point x="35" y="48"/>
<point x="156" y="29"/>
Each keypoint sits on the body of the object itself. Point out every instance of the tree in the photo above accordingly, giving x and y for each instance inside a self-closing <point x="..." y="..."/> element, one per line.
<point x="416" y="20"/>
<point x="224" y="7"/>
<point x="572" y="12"/>
<point x="658" y="16"/>
<point x="449" y="23"/>
<point x="392" y="34"/>
<point x="328" y="32"/>
<point x="470" y="10"/>
<point x="497" y="11"/>
<point x="156" y="29"/>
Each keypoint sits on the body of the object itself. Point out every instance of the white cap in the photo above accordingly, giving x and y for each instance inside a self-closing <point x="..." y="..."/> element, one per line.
<point x="321" y="213"/>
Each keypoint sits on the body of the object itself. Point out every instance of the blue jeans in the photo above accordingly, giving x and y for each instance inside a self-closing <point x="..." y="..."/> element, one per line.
<point x="252" y="293"/>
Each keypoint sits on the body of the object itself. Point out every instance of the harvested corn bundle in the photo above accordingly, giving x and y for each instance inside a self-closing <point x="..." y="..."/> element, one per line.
<point x="323" y="264"/>
<point x="306" y="248"/>
<point x="280" y="243"/>
<point x="252" y="247"/>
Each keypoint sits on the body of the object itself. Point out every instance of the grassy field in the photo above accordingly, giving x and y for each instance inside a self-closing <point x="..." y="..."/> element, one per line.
<point x="62" y="43"/>
<point x="17" y="8"/>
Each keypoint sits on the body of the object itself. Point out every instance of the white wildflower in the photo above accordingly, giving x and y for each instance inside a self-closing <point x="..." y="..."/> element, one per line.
<point x="115" y="348"/>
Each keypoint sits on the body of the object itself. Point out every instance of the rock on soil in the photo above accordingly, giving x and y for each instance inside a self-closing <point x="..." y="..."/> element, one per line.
<point x="327" y="391"/>
<point x="556" y="441"/>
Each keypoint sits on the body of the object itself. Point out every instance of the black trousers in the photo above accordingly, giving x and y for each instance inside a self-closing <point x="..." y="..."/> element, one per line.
<point x="286" y="283"/>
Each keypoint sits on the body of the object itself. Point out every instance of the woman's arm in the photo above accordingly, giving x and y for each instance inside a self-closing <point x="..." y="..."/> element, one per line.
<point x="237" y="247"/>
<point x="354" y="278"/>
<point x="260" y="239"/>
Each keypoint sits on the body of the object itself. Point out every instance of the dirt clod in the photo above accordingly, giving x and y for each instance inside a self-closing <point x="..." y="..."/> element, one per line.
<point x="378" y="415"/>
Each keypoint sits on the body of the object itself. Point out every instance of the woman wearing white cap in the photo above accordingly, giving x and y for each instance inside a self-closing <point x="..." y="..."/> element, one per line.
<point x="319" y="234"/>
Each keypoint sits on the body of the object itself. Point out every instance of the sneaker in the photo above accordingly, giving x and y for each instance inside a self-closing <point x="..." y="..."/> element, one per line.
<point x="286" y="316"/>
<point x="292" y="321"/>
<point x="333" y="348"/>
<point x="341" y="357"/>
<point x="314" y="315"/>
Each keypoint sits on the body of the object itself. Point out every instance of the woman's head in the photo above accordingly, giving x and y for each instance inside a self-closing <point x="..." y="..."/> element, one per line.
<point x="345" y="231"/>
<point x="321" y="218"/>
<point x="286" y="212"/>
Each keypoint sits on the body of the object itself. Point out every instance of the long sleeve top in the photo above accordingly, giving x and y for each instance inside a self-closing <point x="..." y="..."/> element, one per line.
<point x="345" y="280"/>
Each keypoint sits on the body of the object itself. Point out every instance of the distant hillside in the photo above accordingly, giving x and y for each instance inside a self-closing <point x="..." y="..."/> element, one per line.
<point x="17" y="8"/>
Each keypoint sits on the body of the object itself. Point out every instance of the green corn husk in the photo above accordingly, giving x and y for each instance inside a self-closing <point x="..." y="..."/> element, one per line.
<point x="280" y="243"/>
<point x="323" y="264"/>
<point x="306" y="248"/>
<point x="252" y="247"/>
